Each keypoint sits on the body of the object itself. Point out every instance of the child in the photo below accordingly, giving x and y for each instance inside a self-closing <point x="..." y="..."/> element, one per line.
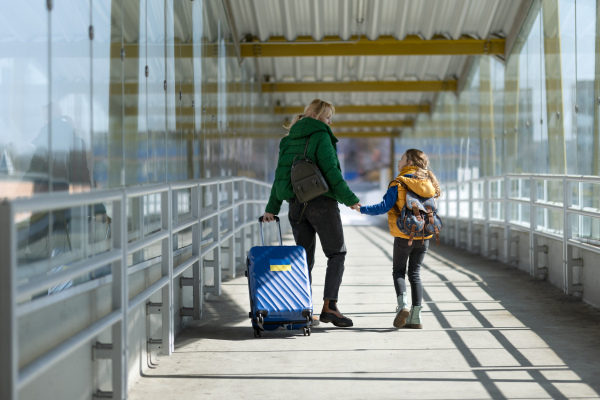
<point x="415" y="175"/>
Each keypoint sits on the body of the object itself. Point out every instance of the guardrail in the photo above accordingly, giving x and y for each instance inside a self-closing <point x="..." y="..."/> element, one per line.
<point x="539" y="204"/>
<point x="222" y="215"/>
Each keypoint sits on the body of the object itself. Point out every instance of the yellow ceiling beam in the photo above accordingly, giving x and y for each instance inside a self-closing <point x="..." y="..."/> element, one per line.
<point x="305" y="46"/>
<point x="354" y="86"/>
<point x="367" y="134"/>
<point x="361" y="86"/>
<point x="393" y="109"/>
<point x="372" y="124"/>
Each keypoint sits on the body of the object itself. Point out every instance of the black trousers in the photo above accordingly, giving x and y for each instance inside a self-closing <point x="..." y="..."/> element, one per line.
<point x="322" y="217"/>
<point x="413" y="256"/>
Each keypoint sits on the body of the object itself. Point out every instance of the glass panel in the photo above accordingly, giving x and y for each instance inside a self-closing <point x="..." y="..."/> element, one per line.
<point x="101" y="86"/>
<point x="452" y="209"/>
<point x="442" y="208"/>
<point x="498" y="89"/>
<point x="519" y="189"/>
<point x="183" y="240"/>
<point x="66" y="138"/>
<point x="496" y="211"/>
<point x="568" y="60"/>
<point x="550" y="192"/>
<point x="452" y="193"/>
<point x="24" y="84"/>
<point x="585" y="196"/>
<point x="463" y="209"/>
<point x="514" y="188"/>
<point x="585" y="228"/>
<point x="585" y="99"/>
<point x="519" y="214"/>
<point x="175" y="90"/>
<point x="152" y="213"/>
<point x="550" y="220"/>
<point x="156" y="99"/>
<point x="464" y="192"/>
<point x="183" y="203"/>
<point x="198" y="106"/>
<point x="477" y="190"/>
<point x="497" y="189"/>
<point x="478" y="209"/>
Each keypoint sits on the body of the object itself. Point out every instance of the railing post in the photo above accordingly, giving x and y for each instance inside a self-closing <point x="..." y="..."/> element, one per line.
<point x="470" y="218"/>
<point x="119" y="300"/>
<point x="533" y="241"/>
<point x="168" y="323"/>
<point x="9" y="368"/>
<point x="253" y="228"/>
<point x="216" y="225"/>
<point x="485" y="244"/>
<point x="457" y="219"/>
<point x="447" y="200"/>
<point x="241" y="246"/>
<point x="231" y="228"/>
<point x="197" y="270"/>
<point x="506" y="256"/>
<point x="567" y="198"/>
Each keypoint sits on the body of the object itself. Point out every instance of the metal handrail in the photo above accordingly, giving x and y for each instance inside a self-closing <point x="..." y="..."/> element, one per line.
<point x="506" y="200"/>
<point x="22" y="287"/>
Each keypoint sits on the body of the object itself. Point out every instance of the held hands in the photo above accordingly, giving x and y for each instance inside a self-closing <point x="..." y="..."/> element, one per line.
<point x="356" y="207"/>
<point x="268" y="217"/>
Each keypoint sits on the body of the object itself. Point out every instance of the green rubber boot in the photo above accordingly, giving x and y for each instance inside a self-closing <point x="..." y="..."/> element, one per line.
<point x="414" y="318"/>
<point x="401" y="311"/>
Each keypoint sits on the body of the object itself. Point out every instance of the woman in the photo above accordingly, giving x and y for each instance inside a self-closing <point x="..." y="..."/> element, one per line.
<point x="321" y="215"/>
<point x="414" y="175"/>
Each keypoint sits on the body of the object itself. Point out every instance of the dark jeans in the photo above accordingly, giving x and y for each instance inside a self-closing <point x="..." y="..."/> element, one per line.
<point x="322" y="217"/>
<point x="414" y="255"/>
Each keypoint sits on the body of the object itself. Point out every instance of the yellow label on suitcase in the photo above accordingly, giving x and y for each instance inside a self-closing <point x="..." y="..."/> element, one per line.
<point x="280" y="264"/>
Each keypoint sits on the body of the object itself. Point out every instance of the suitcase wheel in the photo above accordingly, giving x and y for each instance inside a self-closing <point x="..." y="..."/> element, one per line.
<point x="306" y="331"/>
<point x="257" y="332"/>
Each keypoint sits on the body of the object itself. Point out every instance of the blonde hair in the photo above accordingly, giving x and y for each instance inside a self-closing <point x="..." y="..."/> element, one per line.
<point x="317" y="107"/>
<point x="420" y="160"/>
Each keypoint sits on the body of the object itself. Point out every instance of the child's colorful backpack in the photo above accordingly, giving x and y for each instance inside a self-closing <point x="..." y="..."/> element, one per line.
<point x="418" y="218"/>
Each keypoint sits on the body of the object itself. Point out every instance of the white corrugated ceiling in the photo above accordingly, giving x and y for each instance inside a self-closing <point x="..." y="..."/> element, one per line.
<point x="291" y="19"/>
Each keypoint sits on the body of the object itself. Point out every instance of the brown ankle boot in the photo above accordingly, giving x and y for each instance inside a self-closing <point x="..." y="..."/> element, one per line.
<point x="330" y="313"/>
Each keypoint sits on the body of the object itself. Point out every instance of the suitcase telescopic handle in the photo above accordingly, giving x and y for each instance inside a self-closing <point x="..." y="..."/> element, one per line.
<point x="262" y="235"/>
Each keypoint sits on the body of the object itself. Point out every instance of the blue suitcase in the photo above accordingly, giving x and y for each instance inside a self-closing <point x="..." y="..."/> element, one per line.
<point x="280" y="292"/>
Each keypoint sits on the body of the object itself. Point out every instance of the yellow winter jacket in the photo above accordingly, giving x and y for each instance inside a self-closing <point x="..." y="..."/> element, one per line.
<point x="422" y="187"/>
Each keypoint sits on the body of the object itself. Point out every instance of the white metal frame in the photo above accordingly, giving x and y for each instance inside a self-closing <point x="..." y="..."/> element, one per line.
<point x="252" y="195"/>
<point x="566" y="207"/>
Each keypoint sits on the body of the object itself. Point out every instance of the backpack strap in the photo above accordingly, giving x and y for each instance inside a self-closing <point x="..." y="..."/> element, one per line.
<point x="400" y="183"/>
<point x="411" y="236"/>
<point x="306" y="147"/>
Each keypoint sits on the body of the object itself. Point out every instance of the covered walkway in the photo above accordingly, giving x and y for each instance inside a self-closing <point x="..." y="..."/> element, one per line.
<point x="139" y="144"/>
<point x="490" y="331"/>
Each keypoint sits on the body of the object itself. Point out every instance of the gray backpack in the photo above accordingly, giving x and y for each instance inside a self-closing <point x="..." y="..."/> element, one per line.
<point x="307" y="180"/>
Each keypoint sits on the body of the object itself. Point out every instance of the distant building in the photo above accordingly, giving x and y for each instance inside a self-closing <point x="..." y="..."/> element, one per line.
<point x="6" y="164"/>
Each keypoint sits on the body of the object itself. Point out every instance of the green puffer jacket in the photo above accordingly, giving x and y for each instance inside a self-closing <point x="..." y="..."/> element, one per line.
<point x="322" y="150"/>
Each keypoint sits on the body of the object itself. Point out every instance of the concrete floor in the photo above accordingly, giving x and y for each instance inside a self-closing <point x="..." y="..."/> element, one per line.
<point x="490" y="332"/>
